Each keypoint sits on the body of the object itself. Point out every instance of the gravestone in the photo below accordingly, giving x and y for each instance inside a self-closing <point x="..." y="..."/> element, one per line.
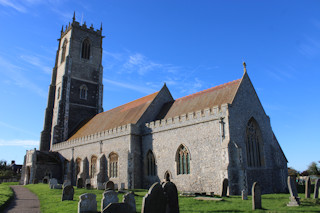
<point x="57" y="186"/>
<point x="66" y="183"/>
<point x="154" y="201"/>
<point x="225" y="184"/>
<point x="87" y="203"/>
<point x="88" y="184"/>
<point x="100" y="186"/>
<point x="109" y="185"/>
<point x="294" y="199"/>
<point x="308" y="187"/>
<point x="108" y="197"/>
<point x="80" y="183"/>
<point x="171" y="193"/>
<point x="52" y="183"/>
<point x="256" y="196"/>
<point x="118" y="208"/>
<point x="67" y="193"/>
<point x="244" y="194"/>
<point x="128" y="198"/>
<point x="316" y="189"/>
<point x="45" y="180"/>
<point x="35" y="181"/>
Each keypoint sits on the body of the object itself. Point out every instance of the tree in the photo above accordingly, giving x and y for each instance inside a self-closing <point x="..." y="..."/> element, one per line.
<point x="292" y="171"/>
<point x="3" y="165"/>
<point x="313" y="169"/>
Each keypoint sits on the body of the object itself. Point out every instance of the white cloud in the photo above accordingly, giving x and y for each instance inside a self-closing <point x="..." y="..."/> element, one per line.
<point x="3" y="124"/>
<point x="36" y="61"/>
<point x="25" y="143"/>
<point x="138" y="62"/>
<point x="142" y="89"/>
<point x="14" y="5"/>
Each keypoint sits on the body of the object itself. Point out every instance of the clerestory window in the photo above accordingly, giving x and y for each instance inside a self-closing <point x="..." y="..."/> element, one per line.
<point x="183" y="160"/>
<point x="113" y="165"/>
<point x="93" y="167"/>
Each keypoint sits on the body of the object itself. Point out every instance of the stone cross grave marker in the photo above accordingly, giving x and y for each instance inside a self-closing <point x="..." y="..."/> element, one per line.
<point x="67" y="193"/>
<point x="87" y="203"/>
<point x="108" y="197"/>
<point x="294" y="199"/>
<point x="109" y="185"/>
<point x="256" y="196"/>
<point x="244" y="194"/>
<point x="225" y="184"/>
<point x="129" y="199"/>
<point x="308" y="187"/>
<point x="316" y="189"/>
<point x="171" y="193"/>
<point x="118" y="208"/>
<point x="154" y="201"/>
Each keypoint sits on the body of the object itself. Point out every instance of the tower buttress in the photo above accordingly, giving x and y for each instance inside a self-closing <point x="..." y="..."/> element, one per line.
<point x="75" y="92"/>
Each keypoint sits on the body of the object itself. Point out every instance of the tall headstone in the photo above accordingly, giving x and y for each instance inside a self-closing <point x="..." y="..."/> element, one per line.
<point x="316" y="189"/>
<point x="171" y="193"/>
<point x="108" y="197"/>
<point x="244" y="194"/>
<point x="294" y="199"/>
<point x="109" y="185"/>
<point x="308" y="187"/>
<point x="129" y="199"/>
<point x="154" y="201"/>
<point x="88" y="184"/>
<point x="256" y="196"/>
<point x="66" y="183"/>
<point x="118" y="208"/>
<point x="87" y="203"/>
<point x="67" y="193"/>
<point x="225" y="184"/>
<point x="80" y="183"/>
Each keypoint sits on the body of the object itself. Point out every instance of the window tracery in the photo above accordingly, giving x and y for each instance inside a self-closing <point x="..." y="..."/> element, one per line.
<point x="183" y="160"/>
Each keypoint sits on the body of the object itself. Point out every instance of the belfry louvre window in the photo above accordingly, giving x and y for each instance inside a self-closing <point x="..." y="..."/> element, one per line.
<point x="85" y="53"/>
<point x="64" y="49"/>
<point x="183" y="160"/>
<point x="254" y="144"/>
<point x="93" y="166"/>
<point x="83" y="92"/>
<point x="151" y="165"/>
<point x="113" y="165"/>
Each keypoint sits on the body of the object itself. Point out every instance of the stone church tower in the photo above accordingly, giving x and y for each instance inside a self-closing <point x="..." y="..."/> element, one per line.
<point x="75" y="92"/>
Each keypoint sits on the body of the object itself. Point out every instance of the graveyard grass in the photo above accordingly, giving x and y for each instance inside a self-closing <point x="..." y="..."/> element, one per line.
<point x="50" y="201"/>
<point x="6" y="194"/>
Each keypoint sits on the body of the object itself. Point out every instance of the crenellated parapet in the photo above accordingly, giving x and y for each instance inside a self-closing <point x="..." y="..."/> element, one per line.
<point x="99" y="136"/>
<point x="191" y="118"/>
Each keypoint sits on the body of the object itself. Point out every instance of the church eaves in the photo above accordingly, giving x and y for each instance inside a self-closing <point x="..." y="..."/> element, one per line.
<point x="215" y="96"/>
<point x="129" y="113"/>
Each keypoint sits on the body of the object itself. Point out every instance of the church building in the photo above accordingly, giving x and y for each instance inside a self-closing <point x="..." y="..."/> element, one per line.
<point x="196" y="141"/>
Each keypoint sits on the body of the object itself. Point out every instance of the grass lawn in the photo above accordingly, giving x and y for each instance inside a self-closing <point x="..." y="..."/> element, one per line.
<point x="6" y="193"/>
<point x="50" y="201"/>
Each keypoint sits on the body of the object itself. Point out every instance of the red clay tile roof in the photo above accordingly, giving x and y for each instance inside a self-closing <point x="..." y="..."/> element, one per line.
<point x="122" y="115"/>
<point x="208" y="98"/>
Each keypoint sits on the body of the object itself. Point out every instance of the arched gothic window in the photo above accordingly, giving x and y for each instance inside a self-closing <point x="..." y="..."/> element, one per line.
<point x="64" y="49"/>
<point x="85" y="53"/>
<point x="93" y="167"/>
<point x="151" y="165"/>
<point x="113" y="165"/>
<point x="254" y="144"/>
<point x="78" y="165"/>
<point x="83" y="92"/>
<point x="183" y="160"/>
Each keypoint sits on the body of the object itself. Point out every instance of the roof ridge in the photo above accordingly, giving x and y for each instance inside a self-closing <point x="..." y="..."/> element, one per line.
<point x="209" y="89"/>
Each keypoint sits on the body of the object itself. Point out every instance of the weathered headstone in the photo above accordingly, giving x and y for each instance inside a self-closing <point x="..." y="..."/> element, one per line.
<point x="109" y="185"/>
<point x="88" y="184"/>
<point x="67" y="193"/>
<point x="316" y="189"/>
<point x="45" y="180"/>
<point x="308" y="187"/>
<point x="171" y="193"/>
<point x="57" y="186"/>
<point x="35" y="181"/>
<point x="100" y="186"/>
<point x="244" y="194"/>
<point x="294" y="199"/>
<point x="128" y="198"/>
<point x="256" y="196"/>
<point x="118" y="208"/>
<point x="154" y="201"/>
<point x="66" y="183"/>
<point x="52" y="183"/>
<point x="87" y="203"/>
<point x="108" y="197"/>
<point x="225" y="184"/>
<point x="80" y="183"/>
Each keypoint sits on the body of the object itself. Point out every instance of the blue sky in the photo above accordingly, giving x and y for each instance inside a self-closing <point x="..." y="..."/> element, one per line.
<point x="190" y="45"/>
